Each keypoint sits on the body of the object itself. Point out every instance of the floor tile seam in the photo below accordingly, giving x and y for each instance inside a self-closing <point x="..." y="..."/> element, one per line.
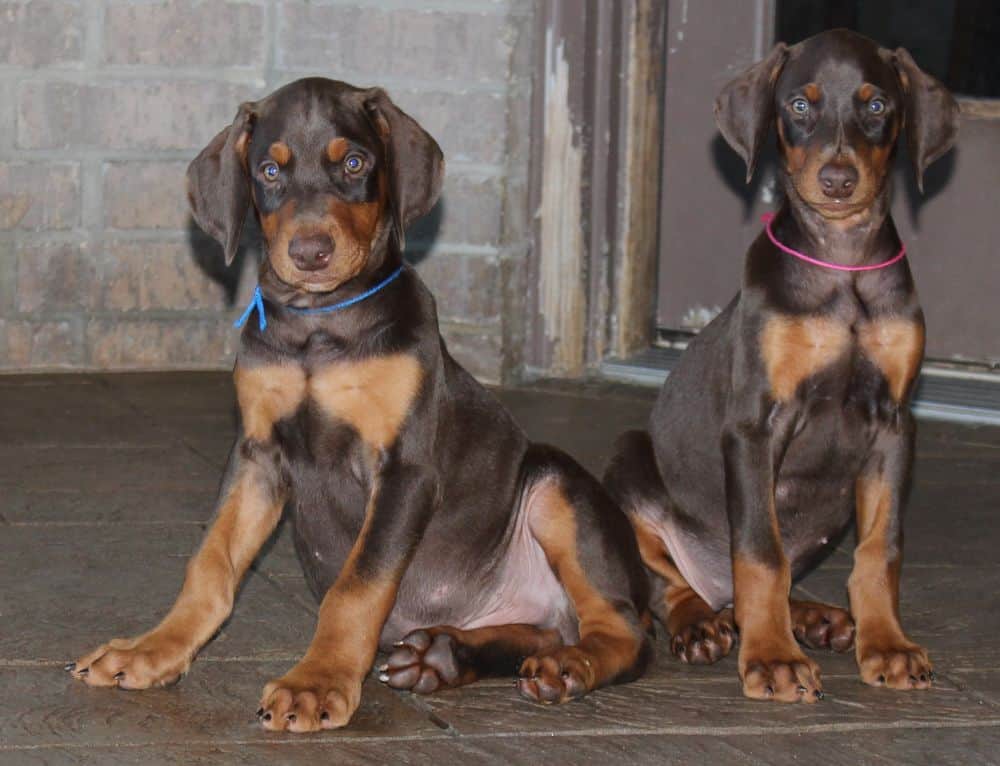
<point x="616" y="731"/>
<point x="983" y="698"/>
<point x="54" y="523"/>
<point x="742" y="730"/>
<point x="155" y="422"/>
<point x="13" y="663"/>
<point x="276" y="582"/>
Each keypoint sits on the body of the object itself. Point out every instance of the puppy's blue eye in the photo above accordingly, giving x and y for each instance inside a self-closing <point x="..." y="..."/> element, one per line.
<point x="800" y="106"/>
<point x="354" y="163"/>
<point x="876" y="106"/>
<point x="270" y="170"/>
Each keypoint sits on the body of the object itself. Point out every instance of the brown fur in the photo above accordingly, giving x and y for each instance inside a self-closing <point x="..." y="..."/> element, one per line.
<point x="608" y="645"/>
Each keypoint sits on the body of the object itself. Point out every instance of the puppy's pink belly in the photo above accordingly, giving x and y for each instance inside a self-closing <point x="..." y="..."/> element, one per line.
<point x="520" y="589"/>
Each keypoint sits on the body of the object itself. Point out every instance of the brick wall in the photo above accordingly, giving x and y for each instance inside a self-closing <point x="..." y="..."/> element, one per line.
<point x="105" y="102"/>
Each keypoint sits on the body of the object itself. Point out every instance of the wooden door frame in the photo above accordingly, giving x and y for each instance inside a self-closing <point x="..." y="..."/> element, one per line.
<point x="594" y="183"/>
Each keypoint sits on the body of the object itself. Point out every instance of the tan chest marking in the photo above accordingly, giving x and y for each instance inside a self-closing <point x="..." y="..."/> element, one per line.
<point x="374" y="396"/>
<point x="795" y="348"/>
<point x="897" y="348"/>
<point x="267" y="394"/>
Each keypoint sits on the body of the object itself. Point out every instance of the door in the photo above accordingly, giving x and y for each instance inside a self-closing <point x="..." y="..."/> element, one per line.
<point x="708" y="215"/>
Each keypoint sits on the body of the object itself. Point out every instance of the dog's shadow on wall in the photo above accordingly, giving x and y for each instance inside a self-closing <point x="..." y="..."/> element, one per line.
<point x="209" y="257"/>
<point x="423" y="234"/>
<point x="936" y="179"/>
<point x="730" y="169"/>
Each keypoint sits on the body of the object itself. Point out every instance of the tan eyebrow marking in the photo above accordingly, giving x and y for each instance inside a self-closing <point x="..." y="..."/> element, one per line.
<point x="279" y="152"/>
<point x="813" y="92"/>
<point x="866" y="91"/>
<point x="336" y="149"/>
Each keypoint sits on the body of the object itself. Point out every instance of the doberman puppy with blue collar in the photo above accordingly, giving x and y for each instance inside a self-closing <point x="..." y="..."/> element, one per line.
<point x="425" y="520"/>
<point x="789" y="414"/>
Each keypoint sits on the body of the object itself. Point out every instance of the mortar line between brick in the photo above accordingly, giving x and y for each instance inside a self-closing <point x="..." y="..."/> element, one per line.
<point x="272" y="21"/>
<point x="251" y="77"/>
<point x="93" y="36"/>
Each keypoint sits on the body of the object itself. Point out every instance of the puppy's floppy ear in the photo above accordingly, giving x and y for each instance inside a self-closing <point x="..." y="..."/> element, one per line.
<point x="218" y="184"/>
<point x="415" y="161"/>
<point x="744" y="110"/>
<point x="931" y="116"/>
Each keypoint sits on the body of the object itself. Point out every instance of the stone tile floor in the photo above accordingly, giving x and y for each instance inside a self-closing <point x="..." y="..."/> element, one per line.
<point x="106" y="483"/>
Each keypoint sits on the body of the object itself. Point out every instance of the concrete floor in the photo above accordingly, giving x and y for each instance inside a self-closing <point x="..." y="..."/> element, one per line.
<point x="106" y="483"/>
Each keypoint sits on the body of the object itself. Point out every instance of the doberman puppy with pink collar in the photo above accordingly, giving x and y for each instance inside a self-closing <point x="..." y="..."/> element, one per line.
<point x="416" y="500"/>
<point x="789" y="414"/>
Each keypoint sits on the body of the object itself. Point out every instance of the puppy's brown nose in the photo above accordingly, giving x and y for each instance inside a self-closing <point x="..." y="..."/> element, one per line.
<point x="311" y="253"/>
<point x="838" y="181"/>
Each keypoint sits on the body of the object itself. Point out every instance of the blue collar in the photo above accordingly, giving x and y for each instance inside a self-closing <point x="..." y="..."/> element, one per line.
<point x="257" y="302"/>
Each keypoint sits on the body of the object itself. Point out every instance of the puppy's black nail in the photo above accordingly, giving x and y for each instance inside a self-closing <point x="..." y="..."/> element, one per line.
<point x="119" y="675"/>
<point x="69" y="667"/>
<point x="260" y="712"/>
<point x="819" y="694"/>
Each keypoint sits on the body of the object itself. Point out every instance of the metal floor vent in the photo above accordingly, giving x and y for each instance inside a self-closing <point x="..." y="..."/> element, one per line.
<point x="943" y="393"/>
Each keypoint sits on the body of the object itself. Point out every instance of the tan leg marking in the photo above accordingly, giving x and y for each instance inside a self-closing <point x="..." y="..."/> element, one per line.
<point x="247" y="514"/>
<point x="654" y="552"/>
<point x="885" y="655"/>
<point x="608" y="645"/>
<point x="771" y="664"/>
<point x="374" y="395"/>
<point x="323" y="690"/>
<point x="897" y="348"/>
<point x="794" y="349"/>
<point x="699" y="635"/>
<point x="246" y="519"/>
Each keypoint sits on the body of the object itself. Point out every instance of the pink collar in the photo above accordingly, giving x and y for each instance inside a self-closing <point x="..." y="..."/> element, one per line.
<point x="768" y="217"/>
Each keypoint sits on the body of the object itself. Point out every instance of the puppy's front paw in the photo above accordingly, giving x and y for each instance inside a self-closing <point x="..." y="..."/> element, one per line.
<point x="897" y="664"/>
<point x="309" y="698"/>
<point x="154" y="659"/>
<point x="782" y="676"/>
